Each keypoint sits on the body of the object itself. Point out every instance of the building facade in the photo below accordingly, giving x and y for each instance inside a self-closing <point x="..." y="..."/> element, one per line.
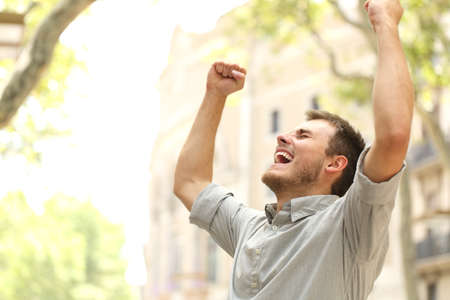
<point x="182" y="261"/>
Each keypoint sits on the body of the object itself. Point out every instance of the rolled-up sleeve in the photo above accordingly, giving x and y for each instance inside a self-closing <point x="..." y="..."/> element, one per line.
<point x="367" y="211"/>
<point x="217" y="211"/>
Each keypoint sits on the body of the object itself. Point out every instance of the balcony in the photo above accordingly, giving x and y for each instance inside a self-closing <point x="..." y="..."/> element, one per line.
<point x="420" y="154"/>
<point x="433" y="254"/>
<point x="433" y="245"/>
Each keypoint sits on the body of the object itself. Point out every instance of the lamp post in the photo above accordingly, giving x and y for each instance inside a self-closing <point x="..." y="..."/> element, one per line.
<point x="11" y="33"/>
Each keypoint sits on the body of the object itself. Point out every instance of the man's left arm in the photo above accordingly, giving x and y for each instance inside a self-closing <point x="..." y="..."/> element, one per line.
<point x="369" y="202"/>
<point x="393" y="94"/>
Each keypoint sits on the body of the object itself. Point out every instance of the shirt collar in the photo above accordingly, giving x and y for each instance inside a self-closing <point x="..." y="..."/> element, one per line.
<point x="301" y="207"/>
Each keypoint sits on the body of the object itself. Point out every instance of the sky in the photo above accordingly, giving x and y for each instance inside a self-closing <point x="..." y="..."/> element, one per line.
<point x="113" y="112"/>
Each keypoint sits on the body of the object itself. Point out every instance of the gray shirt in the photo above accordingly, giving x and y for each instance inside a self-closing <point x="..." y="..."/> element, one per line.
<point x="316" y="248"/>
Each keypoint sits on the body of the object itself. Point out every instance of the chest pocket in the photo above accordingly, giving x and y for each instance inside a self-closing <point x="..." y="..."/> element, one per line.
<point x="246" y="279"/>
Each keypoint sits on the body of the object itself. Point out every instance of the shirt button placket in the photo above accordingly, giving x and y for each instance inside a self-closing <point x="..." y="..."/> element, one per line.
<point x="254" y="276"/>
<point x="254" y="287"/>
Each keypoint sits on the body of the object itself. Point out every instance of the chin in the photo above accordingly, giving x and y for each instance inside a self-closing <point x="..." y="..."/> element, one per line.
<point x="272" y="180"/>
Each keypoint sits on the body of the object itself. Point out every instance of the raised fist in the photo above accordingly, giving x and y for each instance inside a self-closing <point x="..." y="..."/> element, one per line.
<point x="224" y="79"/>
<point x="384" y="13"/>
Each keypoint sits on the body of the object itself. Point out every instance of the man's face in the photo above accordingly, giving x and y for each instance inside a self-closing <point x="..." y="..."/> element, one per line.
<point x="299" y="158"/>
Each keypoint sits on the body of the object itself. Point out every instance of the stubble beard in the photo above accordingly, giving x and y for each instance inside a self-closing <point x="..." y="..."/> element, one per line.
<point x="302" y="181"/>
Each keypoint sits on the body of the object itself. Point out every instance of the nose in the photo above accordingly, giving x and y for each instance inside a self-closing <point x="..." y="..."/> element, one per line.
<point x="283" y="139"/>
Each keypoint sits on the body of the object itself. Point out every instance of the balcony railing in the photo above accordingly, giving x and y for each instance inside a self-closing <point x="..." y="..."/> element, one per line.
<point x="423" y="152"/>
<point x="433" y="245"/>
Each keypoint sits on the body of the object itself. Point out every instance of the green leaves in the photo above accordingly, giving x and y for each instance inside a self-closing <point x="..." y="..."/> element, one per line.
<point x="423" y="31"/>
<point x="354" y="91"/>
<point x="69" y="252"/>
<point x="278" y="20"/>
<point x="31" y="124"/>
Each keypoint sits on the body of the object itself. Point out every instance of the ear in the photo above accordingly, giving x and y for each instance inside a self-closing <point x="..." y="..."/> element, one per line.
<point x="336" y="164"/>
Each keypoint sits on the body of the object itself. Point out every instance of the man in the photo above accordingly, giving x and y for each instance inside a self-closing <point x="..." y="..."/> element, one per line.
<point x="327" y="235"/>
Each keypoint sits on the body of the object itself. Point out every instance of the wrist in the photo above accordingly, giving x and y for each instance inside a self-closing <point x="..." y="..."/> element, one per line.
<point x="215" y="95"/>
<point x="386" y="28"/>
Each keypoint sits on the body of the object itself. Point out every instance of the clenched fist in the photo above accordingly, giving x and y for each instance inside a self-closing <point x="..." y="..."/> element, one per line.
<point x="224" y="79"/>
<point x="384" y="13"/>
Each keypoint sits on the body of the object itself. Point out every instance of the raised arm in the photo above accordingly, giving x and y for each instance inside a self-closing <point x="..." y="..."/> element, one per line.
<point x="393" y="93"/>
<point x="194" y="168"/>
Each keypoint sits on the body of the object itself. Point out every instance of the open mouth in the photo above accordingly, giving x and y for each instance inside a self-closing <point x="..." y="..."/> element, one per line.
<point x="282" y="157"/>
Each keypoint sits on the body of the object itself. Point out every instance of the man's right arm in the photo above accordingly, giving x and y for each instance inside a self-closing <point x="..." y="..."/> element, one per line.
<point x="194" y="168"/>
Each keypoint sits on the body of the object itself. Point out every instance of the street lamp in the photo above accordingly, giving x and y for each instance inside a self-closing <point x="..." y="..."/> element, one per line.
<point x="11" y="34"/>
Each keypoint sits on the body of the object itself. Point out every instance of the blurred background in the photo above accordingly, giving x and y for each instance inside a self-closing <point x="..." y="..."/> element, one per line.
<point x="97" y="98"/>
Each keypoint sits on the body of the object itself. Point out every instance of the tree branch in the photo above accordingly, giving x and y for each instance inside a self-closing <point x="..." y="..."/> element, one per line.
<point x="406" y="240"/>
<point x="333" y="61"/>
<point x="364" y="28"/>
<point x="37" y="56"/>
<point x="436" y="134"/>
<point x="344" y="16"/>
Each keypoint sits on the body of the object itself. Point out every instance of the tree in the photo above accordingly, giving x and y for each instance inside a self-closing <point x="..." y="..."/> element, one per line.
<point x="36" y="56"/>
<point x="428" y="54"/>
<point x="33" y="76"/>
<point x="69" y="252"/>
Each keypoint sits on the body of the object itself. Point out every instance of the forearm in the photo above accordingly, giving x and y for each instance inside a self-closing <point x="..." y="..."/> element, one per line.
<point x="393" y="92"/>
<point x="194" y="168"/>
<point x="393" y="101"/>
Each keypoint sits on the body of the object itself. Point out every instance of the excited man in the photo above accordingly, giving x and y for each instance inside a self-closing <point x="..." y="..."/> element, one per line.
<point x="327" y="235"/>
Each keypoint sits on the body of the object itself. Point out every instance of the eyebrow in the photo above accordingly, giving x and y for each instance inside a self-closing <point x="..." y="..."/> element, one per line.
<point x="302" y="131"/>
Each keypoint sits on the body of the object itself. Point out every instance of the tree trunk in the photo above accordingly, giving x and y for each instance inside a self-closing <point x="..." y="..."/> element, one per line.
<point x="436" y="134"/>
<point x="407" y="245"/>
<point x="37" y="56"/>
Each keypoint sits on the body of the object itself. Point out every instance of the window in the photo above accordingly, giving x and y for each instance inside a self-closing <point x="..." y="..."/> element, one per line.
<point x="315" y="102"/>
<point x="431" y="183"/>
<point x="155" y="268"/>
<point x="174" y="262"/>
<point x="212" y="260"/>
<point x="275" y="121"/>
<point x="198" y="266"/>
<point x="431" y="291"/>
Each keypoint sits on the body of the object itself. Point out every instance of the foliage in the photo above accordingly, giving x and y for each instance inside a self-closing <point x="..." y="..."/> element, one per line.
<point x="428" y="53"/>
<point x="69" y="252"/>
<point x="49" y="92"/>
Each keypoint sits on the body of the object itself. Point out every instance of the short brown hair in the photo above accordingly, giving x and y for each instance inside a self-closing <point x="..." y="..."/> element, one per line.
<point x="346" y="141"/>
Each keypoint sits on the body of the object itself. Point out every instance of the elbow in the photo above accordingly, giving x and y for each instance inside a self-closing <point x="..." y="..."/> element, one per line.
<point x="187" y="189"/>
<point x="400" y="136"/>
<point x="181" y="191"/>
<point x="187" y="186"/>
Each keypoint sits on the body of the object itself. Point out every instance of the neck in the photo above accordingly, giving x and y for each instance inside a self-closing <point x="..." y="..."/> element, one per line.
<point x="285" y="197"/>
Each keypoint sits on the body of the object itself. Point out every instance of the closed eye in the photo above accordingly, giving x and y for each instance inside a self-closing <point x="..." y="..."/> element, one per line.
<point x="303" y="133"/>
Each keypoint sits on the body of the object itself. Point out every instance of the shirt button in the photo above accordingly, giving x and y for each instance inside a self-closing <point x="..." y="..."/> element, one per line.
<point x="257" y="251"/>
<point x="274" y="227"/>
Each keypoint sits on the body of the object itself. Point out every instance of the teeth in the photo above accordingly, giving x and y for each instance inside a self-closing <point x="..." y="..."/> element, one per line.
<point x="285" y="155"/>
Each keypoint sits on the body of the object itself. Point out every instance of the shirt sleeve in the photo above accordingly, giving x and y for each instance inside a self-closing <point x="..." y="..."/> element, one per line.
<point x="217" y="211"/>
<point x="367" y="211"/>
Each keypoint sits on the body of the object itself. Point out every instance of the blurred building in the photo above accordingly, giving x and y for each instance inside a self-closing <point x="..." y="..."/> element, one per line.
<point x="12" y="27"/>
<point x="430" y="190"/>
<point x="182" y="261"/>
